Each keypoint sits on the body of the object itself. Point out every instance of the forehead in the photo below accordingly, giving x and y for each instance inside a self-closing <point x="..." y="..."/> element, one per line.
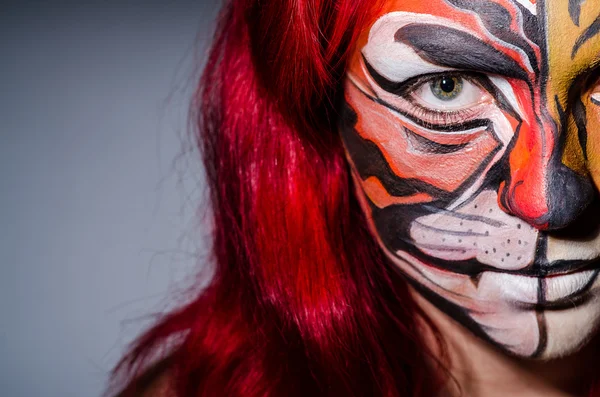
<point x="554" y="36"/>
<point x="449" y="7"/>
<point x="552" y="45"/>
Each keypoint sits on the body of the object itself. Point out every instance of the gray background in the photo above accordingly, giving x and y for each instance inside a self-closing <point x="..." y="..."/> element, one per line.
<point x="98" y="196"/>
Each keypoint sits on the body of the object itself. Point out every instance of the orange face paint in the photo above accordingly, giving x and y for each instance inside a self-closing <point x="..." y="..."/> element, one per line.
<point x="471" y="127"/>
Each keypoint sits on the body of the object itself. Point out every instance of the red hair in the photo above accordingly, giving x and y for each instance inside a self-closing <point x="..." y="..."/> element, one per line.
<point x="302" y="301"/>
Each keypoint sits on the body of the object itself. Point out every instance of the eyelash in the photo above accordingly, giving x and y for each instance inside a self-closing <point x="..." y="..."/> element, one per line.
<point x="442" y="117"/>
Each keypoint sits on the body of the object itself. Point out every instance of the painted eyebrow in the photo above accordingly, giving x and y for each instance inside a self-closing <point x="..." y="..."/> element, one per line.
<point x="453" y="48"/>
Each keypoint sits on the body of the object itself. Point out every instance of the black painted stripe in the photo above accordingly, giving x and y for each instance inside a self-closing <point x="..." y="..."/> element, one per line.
<point x="425" y="145"/>
<point x="586" y="36"/>
<point x="370" y="161"/>
<point x="446" y="46"/>
<point x="580" y="116"/>
<point x="471" y="217"/>
<point x="497" y="20"/>
<point x="541" y="318"/>
<point x="575" y="10"/>
<point x="449" y="232"/>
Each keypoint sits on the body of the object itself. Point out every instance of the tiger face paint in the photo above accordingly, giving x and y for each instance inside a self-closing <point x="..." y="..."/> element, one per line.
<point x="473" y="131"/>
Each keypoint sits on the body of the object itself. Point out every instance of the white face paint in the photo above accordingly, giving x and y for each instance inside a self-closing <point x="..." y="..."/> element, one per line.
<point x="449" y="137"/>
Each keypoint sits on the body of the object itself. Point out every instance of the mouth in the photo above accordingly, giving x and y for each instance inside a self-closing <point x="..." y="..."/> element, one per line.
<point x="557" y="291"/>
<point x="548" y="286"/>
<point x="559" y="268"/>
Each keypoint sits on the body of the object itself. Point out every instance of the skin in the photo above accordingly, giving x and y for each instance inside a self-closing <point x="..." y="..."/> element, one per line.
<point x="473" y="131"/>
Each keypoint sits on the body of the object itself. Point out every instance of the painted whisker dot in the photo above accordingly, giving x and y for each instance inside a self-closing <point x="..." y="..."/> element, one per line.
<point x="508" y="241"/>
<point x="507" y="254"/>
<point x="519" y="226"/>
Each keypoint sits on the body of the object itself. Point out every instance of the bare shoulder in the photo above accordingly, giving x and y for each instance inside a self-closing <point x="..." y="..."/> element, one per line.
<point x="157" y="381"/>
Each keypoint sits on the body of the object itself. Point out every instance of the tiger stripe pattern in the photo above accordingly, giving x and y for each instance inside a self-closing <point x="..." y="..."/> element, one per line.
<point x="487" y="200"/>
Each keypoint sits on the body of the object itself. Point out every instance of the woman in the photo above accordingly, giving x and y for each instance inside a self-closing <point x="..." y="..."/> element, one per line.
<point x="405" y="200"/>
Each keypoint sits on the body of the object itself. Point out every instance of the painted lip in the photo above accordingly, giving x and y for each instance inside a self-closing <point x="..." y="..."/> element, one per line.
<point x="559" y="268"/>
<point x="556" y="286"/>
<point x="548" y="292"/>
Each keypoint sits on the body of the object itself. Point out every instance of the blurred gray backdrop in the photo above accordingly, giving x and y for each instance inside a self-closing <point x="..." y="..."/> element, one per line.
<point x="98" y="189"/>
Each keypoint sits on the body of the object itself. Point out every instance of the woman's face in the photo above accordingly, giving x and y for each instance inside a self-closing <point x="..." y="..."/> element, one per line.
<point x="473" y="130"/>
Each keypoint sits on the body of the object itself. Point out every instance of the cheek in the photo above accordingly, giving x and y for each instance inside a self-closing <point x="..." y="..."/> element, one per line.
<point x="464" y="254"/>
<point x="593" y="142"/>
<point x="394" y="155"/>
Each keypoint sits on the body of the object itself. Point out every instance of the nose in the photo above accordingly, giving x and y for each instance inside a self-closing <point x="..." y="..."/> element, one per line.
<point x="538" y="187"/>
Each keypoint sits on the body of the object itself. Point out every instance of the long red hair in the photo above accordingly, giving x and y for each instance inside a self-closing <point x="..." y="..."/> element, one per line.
<point x="302" y="301"/>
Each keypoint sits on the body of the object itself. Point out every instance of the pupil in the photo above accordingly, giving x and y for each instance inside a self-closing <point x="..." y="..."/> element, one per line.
<point x="447" y="84"/>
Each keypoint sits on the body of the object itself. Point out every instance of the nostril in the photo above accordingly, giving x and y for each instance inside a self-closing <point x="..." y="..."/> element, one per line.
<point x="554" y="205"/>
<point x="569" y="198"/>
<point x="585" y="226"/>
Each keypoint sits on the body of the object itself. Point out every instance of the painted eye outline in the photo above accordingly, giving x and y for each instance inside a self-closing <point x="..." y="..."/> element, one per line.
<point x="398" y="97"/>
<point x="591" y="86"/>
<point x="419" y="93"/>
<point x="595" y="95"/>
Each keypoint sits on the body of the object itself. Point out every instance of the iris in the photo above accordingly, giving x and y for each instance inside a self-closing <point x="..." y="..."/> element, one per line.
<point x="447" y="88"/>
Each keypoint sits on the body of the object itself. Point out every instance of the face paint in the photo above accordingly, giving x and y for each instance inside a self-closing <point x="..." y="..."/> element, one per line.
<point x="473" y="131"/>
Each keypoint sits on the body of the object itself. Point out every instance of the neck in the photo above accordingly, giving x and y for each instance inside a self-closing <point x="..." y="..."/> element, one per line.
<point x="479" y="369"/>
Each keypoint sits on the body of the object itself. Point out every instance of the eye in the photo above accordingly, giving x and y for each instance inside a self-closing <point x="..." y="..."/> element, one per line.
<point x="595" y="97"/>
<point x="448" y="93"/>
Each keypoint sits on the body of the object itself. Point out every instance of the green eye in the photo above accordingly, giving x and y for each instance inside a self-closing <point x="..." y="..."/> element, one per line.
<point x="447" y="88"/>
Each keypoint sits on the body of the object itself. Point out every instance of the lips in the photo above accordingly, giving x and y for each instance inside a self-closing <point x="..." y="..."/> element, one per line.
<point x="561" y="267"/>
<point x="567" y="286"/>
<point x="520" y="289"/>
